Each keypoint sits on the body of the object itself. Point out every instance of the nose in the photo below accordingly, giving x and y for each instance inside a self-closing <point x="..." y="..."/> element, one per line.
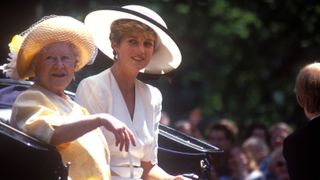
<point x="141" y="48"/>
<point x="59" y="63"/>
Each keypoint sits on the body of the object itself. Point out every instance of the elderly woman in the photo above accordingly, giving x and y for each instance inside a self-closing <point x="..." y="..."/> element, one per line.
<point x="51" y="51"/>
<point x="139" y="42"/>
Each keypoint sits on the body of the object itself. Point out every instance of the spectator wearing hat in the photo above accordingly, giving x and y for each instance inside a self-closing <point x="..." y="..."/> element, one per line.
<point x="139" y="42"/>
<point x="301" y="148"/>
<point x="50" y="52"/>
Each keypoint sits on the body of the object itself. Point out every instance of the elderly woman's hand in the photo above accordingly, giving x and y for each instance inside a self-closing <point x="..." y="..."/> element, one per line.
<point x="122" y="133"/>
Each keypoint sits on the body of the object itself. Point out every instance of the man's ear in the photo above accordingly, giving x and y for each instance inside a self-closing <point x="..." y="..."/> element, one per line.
<point x="300" y="101"/>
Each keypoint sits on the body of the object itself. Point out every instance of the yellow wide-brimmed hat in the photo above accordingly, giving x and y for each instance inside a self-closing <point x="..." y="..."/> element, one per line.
<point x="167" y="55"/>
<point x="51" y="29"/>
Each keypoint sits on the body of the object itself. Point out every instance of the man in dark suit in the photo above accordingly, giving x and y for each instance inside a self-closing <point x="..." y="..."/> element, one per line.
<point x="301" y="149"/>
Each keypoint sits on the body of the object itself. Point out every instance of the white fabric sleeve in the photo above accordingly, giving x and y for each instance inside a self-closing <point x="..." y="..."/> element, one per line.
<point x="151" y="151"/>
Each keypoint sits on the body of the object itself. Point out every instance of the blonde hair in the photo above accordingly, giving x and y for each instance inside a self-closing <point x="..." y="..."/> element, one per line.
<point x="124" y="27"/>
<point x="307" y="86"/>
<point x="252" y="163"/>
<point x="256" y="143"/>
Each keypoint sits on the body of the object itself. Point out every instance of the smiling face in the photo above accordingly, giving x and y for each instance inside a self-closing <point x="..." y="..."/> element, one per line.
<point x="55" y="66"/>
<point x="133" y="44"/>
<point x="134" y="52"/>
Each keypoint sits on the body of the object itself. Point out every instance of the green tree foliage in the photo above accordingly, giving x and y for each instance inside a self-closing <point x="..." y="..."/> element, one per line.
<point x="240" y="58"/>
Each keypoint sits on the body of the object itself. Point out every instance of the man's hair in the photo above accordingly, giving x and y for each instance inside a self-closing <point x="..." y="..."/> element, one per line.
<point x="308" y="87"/>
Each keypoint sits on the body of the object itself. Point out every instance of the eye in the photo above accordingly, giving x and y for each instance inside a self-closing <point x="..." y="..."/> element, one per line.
<point x="148" y="44"/>
<point x="67" y="60"/>
<point x="133" y="41"/>
<point x="50" y="59"/>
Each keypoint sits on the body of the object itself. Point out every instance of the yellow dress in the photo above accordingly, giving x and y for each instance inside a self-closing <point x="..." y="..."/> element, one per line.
<point x="37" y="110"/>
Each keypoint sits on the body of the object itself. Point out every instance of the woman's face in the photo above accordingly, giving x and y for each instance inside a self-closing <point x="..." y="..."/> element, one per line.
<point x="55" y="66"/>
<point x="134" y="52"/>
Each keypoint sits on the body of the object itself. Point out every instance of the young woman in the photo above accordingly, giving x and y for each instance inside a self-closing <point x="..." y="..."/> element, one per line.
<point x="139" y="43"/>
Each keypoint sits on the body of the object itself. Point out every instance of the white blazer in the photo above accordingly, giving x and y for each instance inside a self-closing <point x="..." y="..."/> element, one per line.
<point x="101" y="94"/>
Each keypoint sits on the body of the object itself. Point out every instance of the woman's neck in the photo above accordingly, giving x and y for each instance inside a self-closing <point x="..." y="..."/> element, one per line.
<point x="57" y="92"/>
<point x="124" y="79"/>
<point x="126" y="84"/>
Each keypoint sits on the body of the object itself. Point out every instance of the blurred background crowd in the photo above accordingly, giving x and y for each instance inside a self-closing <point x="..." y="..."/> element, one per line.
<point x="251" y="153"/>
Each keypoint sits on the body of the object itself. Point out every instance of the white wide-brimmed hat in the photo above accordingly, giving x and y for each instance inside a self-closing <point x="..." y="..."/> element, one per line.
<point x="167" y="55"/>
<point x="50" y="29"/>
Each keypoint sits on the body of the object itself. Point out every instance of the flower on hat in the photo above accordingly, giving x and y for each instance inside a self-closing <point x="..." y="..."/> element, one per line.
<point x="15" y="43"/>
<point x="10" y="69"/>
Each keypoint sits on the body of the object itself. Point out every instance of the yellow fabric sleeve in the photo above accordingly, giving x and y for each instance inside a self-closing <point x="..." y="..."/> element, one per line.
<point x="36" y="115"/>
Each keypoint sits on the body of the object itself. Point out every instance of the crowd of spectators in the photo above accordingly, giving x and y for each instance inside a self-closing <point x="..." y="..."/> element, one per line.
<point x="256" y="154"/>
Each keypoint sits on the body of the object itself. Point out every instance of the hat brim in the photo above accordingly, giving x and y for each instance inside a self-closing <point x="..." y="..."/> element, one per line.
<point x="167" y="55"/>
